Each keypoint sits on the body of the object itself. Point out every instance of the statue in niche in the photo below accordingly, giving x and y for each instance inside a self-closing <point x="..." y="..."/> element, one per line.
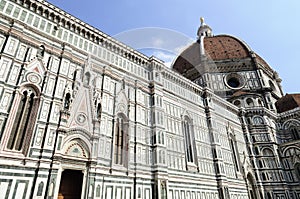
<point x="87" y="77"/>
<point x="97" y="104"/>
<point x="98" y="111"/>
<point x="41" y="52"/>
<point x="123" y="84"/>
<point x="67" y="101"/>
<point x="163" y="190"/>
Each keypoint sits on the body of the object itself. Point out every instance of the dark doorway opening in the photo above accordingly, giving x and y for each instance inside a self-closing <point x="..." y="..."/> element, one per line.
<point x="70" y="184"/>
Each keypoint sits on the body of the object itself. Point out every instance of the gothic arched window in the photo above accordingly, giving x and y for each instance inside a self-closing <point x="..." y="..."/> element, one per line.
<point x="24" y="121"/>
<point x="120" y="140"/>
<point x="187" y="132"/>
<point x="98" y="191"/>
<point x="269" y="158"/>
<point x="40" y="189"/>
<point x="235" y="155"/>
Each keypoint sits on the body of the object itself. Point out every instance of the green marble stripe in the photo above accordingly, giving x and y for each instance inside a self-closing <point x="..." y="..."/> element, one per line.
<point x="25" y="190"/>
<point x="10" y="174"/>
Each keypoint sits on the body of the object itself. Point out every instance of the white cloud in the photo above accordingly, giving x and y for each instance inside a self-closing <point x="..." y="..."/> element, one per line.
<point x="163" y="55"/>
<point x="167" y="57"/>
<point x="157" y="42"/>
<point x="155" y="38"/>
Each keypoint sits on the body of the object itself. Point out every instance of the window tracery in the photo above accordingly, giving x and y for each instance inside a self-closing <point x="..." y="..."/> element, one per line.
<point x="120" y="140"/>
<point x="23" y="122"/>
<point x="187" y="131"/>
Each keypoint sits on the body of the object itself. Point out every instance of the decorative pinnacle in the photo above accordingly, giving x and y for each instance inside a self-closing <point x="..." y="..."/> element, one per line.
<point x="202" y="20"/>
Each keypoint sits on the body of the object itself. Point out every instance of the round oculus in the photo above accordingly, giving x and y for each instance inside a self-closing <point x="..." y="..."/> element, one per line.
<point x="234" y="81"/>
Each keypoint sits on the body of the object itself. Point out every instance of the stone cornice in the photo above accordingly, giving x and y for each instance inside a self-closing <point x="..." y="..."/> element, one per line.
<point x="15" y="31"/>
<point x="71" y="23"/>
<point x="291" y="114"/>
<point x="181" y="81"/>
<point x="220" y="101"/>
<point x="260" y="111"/>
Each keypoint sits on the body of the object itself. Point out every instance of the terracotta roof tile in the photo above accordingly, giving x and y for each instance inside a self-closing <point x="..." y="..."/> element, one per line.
<point x="217" y="49"/>
<point x="224" y="47"/>
<point x="288" y="102"/>
<point x="263" y="62"/>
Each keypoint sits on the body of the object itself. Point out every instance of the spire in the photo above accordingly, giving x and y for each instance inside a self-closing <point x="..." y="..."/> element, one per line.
<point x="204" y="30"/>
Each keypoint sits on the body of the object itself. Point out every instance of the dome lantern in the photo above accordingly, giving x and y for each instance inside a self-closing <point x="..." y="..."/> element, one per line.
<point x="204" y="29"/>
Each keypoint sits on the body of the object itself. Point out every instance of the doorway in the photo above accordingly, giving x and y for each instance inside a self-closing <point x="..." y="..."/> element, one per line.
<point x="70" y="184"/>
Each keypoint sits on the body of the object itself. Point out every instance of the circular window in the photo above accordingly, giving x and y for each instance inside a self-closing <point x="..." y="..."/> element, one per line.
<point x="234" y="81"/>
<point x="237" y="103"/>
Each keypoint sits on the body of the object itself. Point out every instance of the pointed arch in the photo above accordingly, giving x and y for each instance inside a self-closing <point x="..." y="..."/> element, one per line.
<point x="87" y="78"/>
<point x="234" y="150"/>
<point x="188" y="138"/>
<point x="121" y="140"/>
<point x="268" y="157"/>
<point x="122" y="102"/>
<point x="37" y="66"/>
<point x="98" y="189"/>
<point x="292" y="150"/>
<point x="251" y="186"/>
<point x="27" y="103"/>
<point x="292" y="127"/>
<point x="258" y="120"/>
<point x="76" y="147"/>
<point x="40" y="189"/>
<point x="267" y="151"/>
<point x="289" y="123"/>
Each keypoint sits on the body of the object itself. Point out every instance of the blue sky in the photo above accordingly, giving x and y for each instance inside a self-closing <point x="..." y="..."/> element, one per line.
<point x="270" y="28"/>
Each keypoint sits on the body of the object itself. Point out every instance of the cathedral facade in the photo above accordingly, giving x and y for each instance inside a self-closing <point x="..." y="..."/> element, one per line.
<point x="84" y="116"/>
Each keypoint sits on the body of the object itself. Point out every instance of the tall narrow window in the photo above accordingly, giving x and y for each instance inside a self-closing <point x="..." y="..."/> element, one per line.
<point x="120" y="141"/>
<point x="23" y="122"/>
<point x="234" y="150"/>
<point x="40" y="189"/>
<point x="295" y="133"/>
<point x="187" y="138"/>
<point x="98" y="191"/>
<point x="297" y="170"/>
